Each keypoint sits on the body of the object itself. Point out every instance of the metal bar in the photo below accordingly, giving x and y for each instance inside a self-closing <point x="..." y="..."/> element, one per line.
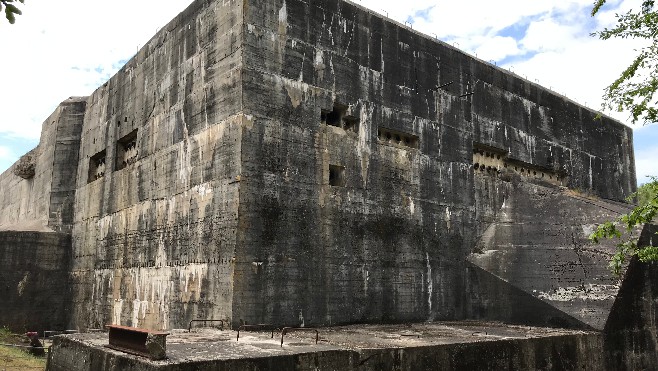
<point x="49" y="333"/>
<point x="467" y="94"/>
<point x="444" y="85"/>
<point x="21" y="346"/>
<point x="259" y="327"/>
<point x="189" y="328"/>
<point x="294" y="329"/>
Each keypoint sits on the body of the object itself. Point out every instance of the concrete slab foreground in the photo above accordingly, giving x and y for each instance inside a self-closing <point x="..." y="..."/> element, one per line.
<point x="427" y="346"/>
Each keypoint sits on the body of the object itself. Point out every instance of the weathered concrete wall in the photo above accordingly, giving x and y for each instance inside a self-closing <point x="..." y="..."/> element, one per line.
<point x="373" y="221"/>
<point x="46" y="199"/>
<point x="158" y="178"/>
<point x="535" y="238"/>
<point x="631" y="331"/>
<point x="34" y="290"/>
<point x="64" y="159"/>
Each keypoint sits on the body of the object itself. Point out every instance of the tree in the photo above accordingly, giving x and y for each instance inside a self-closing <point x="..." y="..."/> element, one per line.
<point x="644" y="212"/>
<point x="635" y="88"/>
<point x="11" y="11"/>
<point x="645" y="193"/>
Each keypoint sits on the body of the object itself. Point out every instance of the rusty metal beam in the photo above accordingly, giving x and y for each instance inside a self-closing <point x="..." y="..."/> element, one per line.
<point x="137" y="341"/>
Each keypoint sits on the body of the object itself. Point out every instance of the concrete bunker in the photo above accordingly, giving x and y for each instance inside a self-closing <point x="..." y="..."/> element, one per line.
<point x="258" y="180"/>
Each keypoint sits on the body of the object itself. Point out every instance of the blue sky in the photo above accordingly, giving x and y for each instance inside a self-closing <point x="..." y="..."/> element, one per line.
<point x="70" y="47"/>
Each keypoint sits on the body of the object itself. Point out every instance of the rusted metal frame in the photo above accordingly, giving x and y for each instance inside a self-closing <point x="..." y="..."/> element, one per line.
<point x="189" y="328"/>
<point x="296" y="329"/>
<point x="260" y="327"/>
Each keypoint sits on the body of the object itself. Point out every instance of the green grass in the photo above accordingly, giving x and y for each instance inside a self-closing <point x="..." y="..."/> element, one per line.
<point x="16" y="359"/>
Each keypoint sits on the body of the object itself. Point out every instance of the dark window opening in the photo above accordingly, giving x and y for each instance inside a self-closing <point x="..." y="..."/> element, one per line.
<point x="336" y="175"/>
<point x="323" y="116"/>
<point x="333" y="118"/>
<point x="351" y="123"/>
<point x="96" y="166"/>
<point x="126" y="150"/>
<point x="338" y="117"/>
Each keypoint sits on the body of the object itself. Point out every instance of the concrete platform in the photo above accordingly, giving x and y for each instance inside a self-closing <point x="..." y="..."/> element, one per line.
<point x="427" y="346"/>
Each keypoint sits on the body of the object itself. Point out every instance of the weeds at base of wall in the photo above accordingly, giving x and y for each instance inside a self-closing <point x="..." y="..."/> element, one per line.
<point x="14" y="359"/>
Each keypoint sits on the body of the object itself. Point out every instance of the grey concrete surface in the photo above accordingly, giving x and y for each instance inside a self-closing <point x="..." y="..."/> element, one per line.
<point x="435" y="346"/>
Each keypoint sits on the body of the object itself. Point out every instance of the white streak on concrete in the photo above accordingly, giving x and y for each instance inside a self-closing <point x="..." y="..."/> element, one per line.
<point x="430" y="285"/>
<point x="283" y="15"/>
<point x="586" y="292"/>
<point x="117" y="308"/>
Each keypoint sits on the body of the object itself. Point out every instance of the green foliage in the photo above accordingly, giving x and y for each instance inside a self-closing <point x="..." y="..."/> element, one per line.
<point x="11" y="11"/>
<point x="645" y="212"/>
<point x="644" y="193"/>
<point x="12" y="358"/>
<point x="635" y="89"/>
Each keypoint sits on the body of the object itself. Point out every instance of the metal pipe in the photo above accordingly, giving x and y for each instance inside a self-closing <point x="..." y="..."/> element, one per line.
<point x="292" y="329"/>
<point x="259" y="327"/>
<point x="189" y="327"/>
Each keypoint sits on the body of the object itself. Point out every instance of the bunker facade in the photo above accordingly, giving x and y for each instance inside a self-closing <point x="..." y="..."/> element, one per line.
<point x="314" y="163"/>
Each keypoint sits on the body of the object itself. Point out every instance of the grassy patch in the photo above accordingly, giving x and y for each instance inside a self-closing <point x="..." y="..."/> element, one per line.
<point x="15" y="359"/>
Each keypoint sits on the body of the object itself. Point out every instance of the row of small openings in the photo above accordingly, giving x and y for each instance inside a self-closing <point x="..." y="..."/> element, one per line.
<point x="125" y="119"/>
<point x="395" y="137"/>
<point x="338" y="117"/>
<point x="485" y="153"/>
<point x="126" y="154"/>
<point x="126" y="150"/>
<point x="539" y="174"/>
<point x="488" y="159"/>
<point x="491" y="161"/>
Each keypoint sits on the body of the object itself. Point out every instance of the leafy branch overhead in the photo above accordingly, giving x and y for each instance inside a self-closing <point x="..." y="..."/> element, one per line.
<point x="635" y="89"/>
<point x="643" y="213"/>
<point x="11" y="11"/>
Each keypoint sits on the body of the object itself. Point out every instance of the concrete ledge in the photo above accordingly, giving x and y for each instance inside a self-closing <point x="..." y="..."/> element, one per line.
<point x="432" y="346"/>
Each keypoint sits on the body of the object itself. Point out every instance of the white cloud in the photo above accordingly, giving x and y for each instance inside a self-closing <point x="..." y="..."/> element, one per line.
<point x="548" y="34"/>
<point x="64" y="48"/>
<point x="7" y="158"/>
<point x="498" y="48"/>
<point x="5" y="153"/>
